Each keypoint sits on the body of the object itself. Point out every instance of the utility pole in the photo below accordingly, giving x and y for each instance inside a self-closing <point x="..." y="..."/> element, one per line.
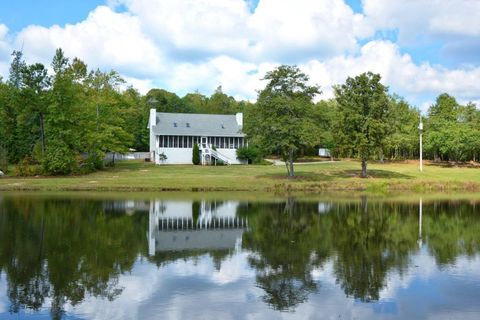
<point x="420" y="127"/>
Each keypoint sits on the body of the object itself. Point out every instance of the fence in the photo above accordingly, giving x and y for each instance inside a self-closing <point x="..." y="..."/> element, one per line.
<point x="110" y="156"/>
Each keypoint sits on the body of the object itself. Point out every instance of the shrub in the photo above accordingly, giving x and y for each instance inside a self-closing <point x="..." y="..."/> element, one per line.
<point x="27" y="167"/>
<point x="3" y="160"/>
<point x="249" y="154"/>
<point x="59" y="160"/>
<point x="196" y="154"/>
<point x="162" y="157"/>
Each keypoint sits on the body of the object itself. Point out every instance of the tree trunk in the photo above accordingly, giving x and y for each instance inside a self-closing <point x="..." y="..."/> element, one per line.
<point x="42" y="134"/>
<point x="364" y="168"/>
<point x="290" y="160"/>
<point x="288" y="168"/>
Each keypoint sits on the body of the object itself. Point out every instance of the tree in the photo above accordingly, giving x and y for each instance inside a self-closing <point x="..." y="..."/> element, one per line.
<point x="363" y="106"/>
<point x="282" y="119"/>
<point x="36" y="82"/>
<point x="195" y="154"/>
<point x="402" y="137"/>
<point x="62" y="134"/>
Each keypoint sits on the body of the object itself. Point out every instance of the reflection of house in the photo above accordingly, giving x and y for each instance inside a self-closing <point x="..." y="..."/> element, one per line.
<point x="128" y="206"/>
<point x="324" y="207"/>
<point x="188" y="225"/>
<point x="174" y="135"/>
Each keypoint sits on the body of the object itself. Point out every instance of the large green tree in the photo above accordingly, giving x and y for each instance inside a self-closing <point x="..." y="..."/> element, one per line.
<point x="363" y="106"/>
<point x="281" y="122"/>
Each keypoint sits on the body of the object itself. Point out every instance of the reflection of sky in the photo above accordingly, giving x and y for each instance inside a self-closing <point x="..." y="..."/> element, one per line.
<point x="194" y="289"/>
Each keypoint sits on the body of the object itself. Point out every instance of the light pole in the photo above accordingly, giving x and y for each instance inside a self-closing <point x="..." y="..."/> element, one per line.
<point x="420" y="213"/>
<point x="420" y="127"/>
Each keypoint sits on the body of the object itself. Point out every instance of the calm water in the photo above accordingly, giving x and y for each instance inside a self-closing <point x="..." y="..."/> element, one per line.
<point x="92" y="258"/>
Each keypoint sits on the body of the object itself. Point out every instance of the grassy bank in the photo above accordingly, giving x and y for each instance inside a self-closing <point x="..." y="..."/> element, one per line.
<point x="324" y="177"/>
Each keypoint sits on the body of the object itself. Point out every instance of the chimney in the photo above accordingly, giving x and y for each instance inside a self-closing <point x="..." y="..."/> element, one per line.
<point x="239" y="117"/>
<point x="152" y="121"/>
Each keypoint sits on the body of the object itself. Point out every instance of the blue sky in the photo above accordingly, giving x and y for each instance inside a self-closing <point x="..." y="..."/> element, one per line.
<point x="421" y="48"/>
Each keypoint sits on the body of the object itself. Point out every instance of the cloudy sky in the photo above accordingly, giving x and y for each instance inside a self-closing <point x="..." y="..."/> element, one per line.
<point x="420" y="47"/>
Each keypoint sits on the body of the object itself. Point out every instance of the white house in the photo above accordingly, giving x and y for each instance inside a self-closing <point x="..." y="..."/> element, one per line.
<point x="174" y="134"/>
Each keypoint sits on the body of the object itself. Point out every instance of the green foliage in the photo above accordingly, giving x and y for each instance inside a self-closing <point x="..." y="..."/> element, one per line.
<point x="28" y="166"/>
<point x="196" y="154"/>
<point x="401" y="141"/>
<point x="281" y="120"/>
<point x="363" y="106"/>
<point x="250" y="154"/>
<point x="59" y="159"/>
<point x="162" y="157"/>
<point x="3" y="159"/>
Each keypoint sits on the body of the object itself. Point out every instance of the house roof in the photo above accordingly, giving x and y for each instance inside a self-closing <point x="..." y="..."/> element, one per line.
<point x="191" y="124"/>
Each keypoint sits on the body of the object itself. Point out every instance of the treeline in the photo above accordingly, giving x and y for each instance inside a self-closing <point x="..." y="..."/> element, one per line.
<point x="451" y="130"/>
<point x="363" y="121"/>
<point x="63" y="120"/>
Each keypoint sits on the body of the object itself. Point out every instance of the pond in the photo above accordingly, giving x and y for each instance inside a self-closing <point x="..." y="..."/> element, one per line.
<point x="84" y="256"/>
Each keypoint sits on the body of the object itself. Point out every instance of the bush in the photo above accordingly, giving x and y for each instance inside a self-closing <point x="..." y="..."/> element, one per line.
<point x="196" y="154"/>
<point x="91" y="163"/>
<point x="27" y="167"/>
<point x="162" y="157"/>
<point x="3" y="160"/>
<point x="249" y="154"/>
<point x="59" y="160"/>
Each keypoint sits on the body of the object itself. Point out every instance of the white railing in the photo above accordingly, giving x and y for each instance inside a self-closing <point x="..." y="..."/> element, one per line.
<point x="208" y="151"/>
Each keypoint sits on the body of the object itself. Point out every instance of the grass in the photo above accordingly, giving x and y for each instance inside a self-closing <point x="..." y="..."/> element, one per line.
<point x="324" y="177"/>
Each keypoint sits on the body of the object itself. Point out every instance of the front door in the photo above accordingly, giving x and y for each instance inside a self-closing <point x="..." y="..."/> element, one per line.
<point x="204" y="142"/>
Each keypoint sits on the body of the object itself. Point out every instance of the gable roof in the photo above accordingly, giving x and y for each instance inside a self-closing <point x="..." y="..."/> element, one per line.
<point x="194" y="124"/>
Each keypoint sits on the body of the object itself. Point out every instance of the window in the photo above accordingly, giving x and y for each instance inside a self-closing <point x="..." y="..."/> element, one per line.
<point x="236" y="143"/>
<point x="174" y="124"/>
<point x="187" y="125"/>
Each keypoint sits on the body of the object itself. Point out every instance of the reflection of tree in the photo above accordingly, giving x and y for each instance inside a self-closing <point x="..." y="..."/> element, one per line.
<point x="451" y="229"/>
<point x="370" y="240"/>
<point x="63" y="250"/>
<point x="365" y="241"/>
<point x="281" y="239"/>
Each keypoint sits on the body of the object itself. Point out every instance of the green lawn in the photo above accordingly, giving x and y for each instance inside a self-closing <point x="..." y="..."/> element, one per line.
<point x="343" y="175"/>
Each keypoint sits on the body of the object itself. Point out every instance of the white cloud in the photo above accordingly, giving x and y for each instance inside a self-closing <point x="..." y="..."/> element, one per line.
<point x="284" y="29"/>
<point x="5" y="50"/>
<point x="418" y="18"/>
<point x="105" y="40"/>
<point x="398" y="71"/>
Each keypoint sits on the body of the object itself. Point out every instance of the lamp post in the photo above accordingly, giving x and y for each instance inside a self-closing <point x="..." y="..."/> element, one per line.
<point x="420" y="127"/>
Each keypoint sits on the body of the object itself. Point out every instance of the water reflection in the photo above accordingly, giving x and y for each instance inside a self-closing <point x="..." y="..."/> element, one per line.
<point x="196" y="225"/>
<point x="59" y="255"/>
